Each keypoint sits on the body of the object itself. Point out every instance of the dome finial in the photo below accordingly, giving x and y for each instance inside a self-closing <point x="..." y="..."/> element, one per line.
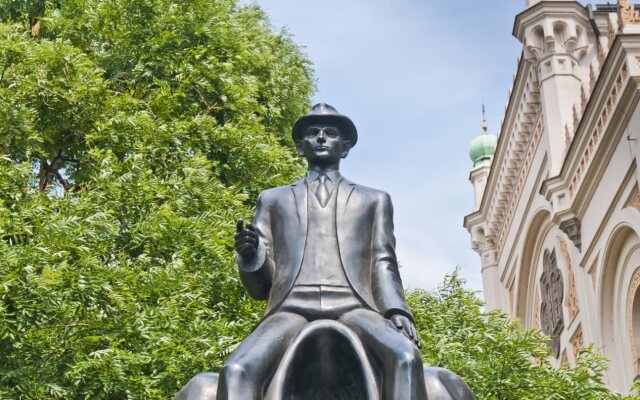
<point x="483" y="146"/>
<point x="484" y="119"/>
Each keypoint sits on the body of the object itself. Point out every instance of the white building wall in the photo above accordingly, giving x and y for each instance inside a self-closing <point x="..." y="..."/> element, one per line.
<point x="577" y="193"/>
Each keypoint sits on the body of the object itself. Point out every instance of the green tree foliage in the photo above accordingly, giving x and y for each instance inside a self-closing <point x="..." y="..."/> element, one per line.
<point x="499" y="359"/>
<point x="132" y="135"/>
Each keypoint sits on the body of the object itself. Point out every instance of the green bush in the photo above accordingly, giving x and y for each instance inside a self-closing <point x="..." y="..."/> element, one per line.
<point x="499" y="359"/>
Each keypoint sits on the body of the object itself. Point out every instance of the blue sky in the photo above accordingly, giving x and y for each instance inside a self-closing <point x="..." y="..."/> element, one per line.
<point x="412" y="75"/>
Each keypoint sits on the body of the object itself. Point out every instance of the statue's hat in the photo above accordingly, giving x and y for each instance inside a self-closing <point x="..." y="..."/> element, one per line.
<point x="323" y="112"/>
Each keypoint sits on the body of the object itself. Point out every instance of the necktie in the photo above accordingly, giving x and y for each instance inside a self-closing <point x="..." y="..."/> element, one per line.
<point x="322" y="193"/>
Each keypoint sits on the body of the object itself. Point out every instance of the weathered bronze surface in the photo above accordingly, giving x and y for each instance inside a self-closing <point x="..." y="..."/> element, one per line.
<point x="321" y="252"/>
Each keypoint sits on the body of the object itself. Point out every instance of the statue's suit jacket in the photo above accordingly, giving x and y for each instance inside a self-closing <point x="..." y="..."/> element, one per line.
<point x="364" y="221"/>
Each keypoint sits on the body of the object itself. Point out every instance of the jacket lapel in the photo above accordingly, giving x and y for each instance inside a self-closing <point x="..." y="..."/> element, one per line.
<point x="345" y="188"/>
<point x="298" y="236"/>
<point x="299" y="190"/>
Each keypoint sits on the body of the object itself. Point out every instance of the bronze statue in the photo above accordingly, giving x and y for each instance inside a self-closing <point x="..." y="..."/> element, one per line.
<point x="321" y="252"/>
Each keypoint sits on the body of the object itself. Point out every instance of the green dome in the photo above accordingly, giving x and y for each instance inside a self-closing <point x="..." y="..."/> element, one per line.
<point x="482" y="149"/>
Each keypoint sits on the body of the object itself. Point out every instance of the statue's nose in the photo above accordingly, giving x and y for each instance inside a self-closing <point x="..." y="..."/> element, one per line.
<point x="321" y="137"/>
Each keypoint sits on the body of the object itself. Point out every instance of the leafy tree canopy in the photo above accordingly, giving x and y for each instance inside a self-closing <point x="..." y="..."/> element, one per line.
<point x="134" y="133"/>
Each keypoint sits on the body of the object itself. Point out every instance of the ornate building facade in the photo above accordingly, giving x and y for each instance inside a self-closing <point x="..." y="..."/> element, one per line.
<point x="557" y="205"/>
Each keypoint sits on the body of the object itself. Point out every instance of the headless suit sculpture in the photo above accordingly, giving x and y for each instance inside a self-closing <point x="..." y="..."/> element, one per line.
<point x="321" y="252"/>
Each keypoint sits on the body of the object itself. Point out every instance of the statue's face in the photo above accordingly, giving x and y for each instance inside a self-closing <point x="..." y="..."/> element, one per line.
<point x="323" y="144"/>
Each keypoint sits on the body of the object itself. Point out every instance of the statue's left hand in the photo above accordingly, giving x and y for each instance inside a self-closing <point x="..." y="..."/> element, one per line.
<point x="407" y="327"/>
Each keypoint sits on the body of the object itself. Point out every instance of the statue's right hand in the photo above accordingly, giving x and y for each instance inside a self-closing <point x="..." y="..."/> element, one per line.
<point x="246" y="240"/>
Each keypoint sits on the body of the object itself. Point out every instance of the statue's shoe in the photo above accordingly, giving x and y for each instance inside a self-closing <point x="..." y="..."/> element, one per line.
<point x="203" y="386"/>
<point x="441" y="383"/>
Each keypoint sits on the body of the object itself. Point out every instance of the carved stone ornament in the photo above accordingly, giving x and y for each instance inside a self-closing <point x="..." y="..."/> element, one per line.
<point x="634" y="201"/>
<point x="627" y="13"/>
<point x="571" y="228"/>
<point x="577" y="342"/>
<point x="536" y="315"/>
<point x="551" y="289"/>
<point x="572" y="300"/>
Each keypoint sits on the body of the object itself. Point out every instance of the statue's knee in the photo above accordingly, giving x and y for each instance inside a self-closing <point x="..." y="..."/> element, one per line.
<point x="201" y="387"/>
<point x="292" y="320"/>
<point x="408" y="358"/>
<point x="234" y="370"/>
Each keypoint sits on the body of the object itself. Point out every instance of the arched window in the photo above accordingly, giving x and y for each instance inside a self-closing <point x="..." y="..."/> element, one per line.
<point x="620" y="307"/>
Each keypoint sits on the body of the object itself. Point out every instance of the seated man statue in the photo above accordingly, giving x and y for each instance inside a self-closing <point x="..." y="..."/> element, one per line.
<point x="323" y="248"/>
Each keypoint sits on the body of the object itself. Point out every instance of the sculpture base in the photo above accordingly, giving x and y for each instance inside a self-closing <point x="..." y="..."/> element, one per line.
<point x="441" y="383"/>
<point x="326" y="360"/>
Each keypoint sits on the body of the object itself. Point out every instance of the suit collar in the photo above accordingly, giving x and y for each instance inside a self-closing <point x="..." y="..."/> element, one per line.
<point x="299" y="189"/>
<point x="334" y="176"/>
<point x="342" y="180"/>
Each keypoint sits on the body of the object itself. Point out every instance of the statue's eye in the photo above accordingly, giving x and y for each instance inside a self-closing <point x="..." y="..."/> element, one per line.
<point x="311" y="132"/>
<point x="331" y="132"/>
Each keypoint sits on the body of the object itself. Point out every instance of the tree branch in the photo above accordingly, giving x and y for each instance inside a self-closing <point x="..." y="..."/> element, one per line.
<point x="49" y="172"/>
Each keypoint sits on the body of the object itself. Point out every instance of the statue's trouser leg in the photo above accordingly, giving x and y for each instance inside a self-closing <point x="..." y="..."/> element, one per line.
<point x="400" y="359"/>
<point x="255" y="360"/>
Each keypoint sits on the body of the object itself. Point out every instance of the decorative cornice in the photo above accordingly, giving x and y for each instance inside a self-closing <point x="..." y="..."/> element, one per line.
<point x="611" y="89"/>
<point x="504" y="137"/>
<point x="471" y="219"/>
<point x="522" y="175"/>
<point x="596" y="134"/>
<point x="521" y="124"/>
<point x="539" y="11"/>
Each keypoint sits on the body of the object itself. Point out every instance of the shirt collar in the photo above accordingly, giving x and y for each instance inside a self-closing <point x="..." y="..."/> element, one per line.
<point x="334" y="176"/>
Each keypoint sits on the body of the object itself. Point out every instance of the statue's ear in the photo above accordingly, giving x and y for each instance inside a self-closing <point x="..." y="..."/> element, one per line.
<point x="299" y="147"/>
<point x="347" y="146"/>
